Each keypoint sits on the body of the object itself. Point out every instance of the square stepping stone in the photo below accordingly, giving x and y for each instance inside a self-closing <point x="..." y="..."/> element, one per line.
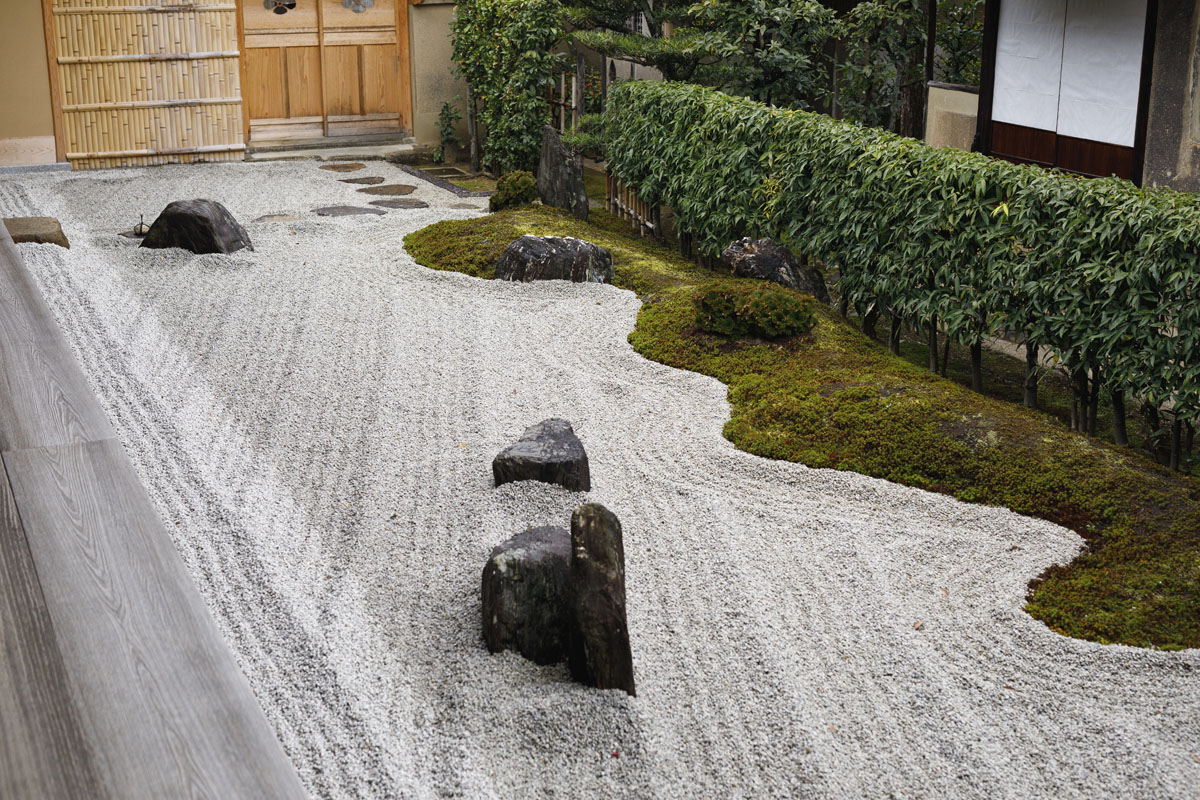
<point x="36" y="230"/>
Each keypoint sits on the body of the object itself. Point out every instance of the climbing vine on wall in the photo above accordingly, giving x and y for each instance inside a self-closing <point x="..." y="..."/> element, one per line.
<point x="503" y="49"/>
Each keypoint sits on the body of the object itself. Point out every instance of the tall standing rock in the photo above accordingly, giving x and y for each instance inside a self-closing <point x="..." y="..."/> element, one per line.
<point x="598" y="653"/>
<point x="201" y="226"/>
<point x="560" y="176"/>
<point x="525" y="595"/>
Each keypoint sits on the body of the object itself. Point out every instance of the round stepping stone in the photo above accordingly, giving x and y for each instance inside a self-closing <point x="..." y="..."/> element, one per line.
<point x="393" y="189"/>
<point x="346" y="211"/>
<point x="363" y="181"/>
<point x="400" y="202"/>
<point x="278" y="218"/>
<point x="342" y="167"/>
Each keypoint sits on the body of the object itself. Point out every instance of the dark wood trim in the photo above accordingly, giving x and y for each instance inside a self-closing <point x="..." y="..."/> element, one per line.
<point x="987" y="78"/>
<point x="1143" y="109"/>
<point x="1024" y="144"/>
<point x="56" y="104"/>
<point x="1093" y="159"/>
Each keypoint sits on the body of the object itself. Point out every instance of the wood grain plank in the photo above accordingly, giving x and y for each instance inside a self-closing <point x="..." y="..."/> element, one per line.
<point x="303" y="81"/>
<point x="380" y="79"/>
<point x="44" y="397"/>
<point x="42" y="749"/>
<point x="265" y="95"/>
<point x="340" y="70"/>
<point x="162" y="703"/>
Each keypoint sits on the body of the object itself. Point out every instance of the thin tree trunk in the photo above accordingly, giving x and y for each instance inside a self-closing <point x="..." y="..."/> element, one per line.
<point x="1031" y="375"/>
<point x="894" y="335"/>
<point x="472" y="131"/>
<point x="1154" y="423"/>
<point x="1120" y="434"/>
<point x="1079" y="396"/>
<point x="844" y="306"/>
<point x="945" y="356"/>
<point x="1093" y="402"/>
<point x="977" y="367"/>
<point x="869" y="319"/>
<point x="933" y="344"/>
<point x="1176" y="436"/>
<point x="1190" y="438"/>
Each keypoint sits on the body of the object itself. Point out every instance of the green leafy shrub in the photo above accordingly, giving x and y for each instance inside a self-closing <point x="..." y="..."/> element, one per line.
<point x="448" y="117"/>
<point x="765" y="310"/>
<point x="514" y="189"/>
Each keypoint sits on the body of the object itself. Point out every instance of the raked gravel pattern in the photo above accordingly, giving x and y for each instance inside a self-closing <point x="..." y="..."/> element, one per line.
<point x="316" y="420"/>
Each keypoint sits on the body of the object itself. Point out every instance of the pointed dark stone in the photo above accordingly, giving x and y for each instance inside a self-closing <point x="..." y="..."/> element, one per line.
<point x="549" y="452"/>
<point x="765" y="260"/>
<point x="598" y="651"/>
<point x="525" y="595"/>
<point x="560" y="176"/>
<point x="201" y="226"/>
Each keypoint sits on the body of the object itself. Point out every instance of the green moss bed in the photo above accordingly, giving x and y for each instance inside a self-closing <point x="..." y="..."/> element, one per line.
<point x="834" y="398"/>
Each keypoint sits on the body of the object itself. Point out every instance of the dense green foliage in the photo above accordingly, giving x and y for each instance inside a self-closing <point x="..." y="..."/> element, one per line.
<point x="448" y="117"/>
<point x="766" y="310"/>
<point x="836" y="399"/>
<point x="1100" y="273"/>
<point x="517" y="188"/>
<point x="503" y="49"/>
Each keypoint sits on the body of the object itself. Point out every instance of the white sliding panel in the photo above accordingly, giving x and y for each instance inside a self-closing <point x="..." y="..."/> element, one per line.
<point x="1029" y="56"/>
<point x="1101" y="69"/>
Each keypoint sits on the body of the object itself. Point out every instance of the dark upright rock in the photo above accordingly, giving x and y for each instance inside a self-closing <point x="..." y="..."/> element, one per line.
<point x="549" y="258"/>
<point x="201" y="226"/>
<point x="598" y="652"/>
<point x="766" y="260"/>
<point x="560" y="176"/>
<point x="525" y="595"/>
<point x="549" y="452"/>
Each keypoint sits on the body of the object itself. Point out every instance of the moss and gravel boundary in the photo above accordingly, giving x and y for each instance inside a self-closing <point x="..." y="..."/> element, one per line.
<point x="836" y="399"/>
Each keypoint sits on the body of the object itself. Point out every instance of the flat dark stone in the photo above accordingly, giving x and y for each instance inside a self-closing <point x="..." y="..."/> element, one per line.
<point x="446" y="172"/>
<point x="346" y="211"/>
<point x="363" y="181"/>
<point x="393" y="189"/>
<point x="549" y="452"/>
<point x="343" y="167"/>
<point x="524" y="593"/>
<point x="278" y="218"/>
<point x="400" y="202"/>
<point x="131" y="234"/>
<point x="36" y="230"/>
<point x="198" y="226"/>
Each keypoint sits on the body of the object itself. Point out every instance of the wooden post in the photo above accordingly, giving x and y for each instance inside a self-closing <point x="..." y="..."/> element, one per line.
<point x="580" y="91"/>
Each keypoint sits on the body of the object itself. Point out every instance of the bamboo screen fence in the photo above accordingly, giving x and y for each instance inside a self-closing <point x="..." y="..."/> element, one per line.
<point x="148" y="81"/>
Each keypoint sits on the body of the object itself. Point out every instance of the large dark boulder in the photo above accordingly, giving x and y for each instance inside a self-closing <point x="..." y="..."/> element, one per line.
<point x="201" y="226"/>
<point x="551" y="258"/>
<point x="525" y="595"/>
<point x="549" y="452"/>
<point x="768" y="261"/>
<point x="598" y="651"/>
<point x="560" y="175"/>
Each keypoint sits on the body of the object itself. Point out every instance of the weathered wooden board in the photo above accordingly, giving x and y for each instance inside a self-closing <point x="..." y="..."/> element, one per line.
<point x="44" y="398"/>
<point x="42" y="749"/>
<point x="162" y="703"/>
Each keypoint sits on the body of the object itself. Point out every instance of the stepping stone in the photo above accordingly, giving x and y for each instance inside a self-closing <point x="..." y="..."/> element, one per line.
<point x="400" y="202"/>
<point x="445" y="172"/>
<point x="343" y="167"/>
<point x="549" y="452"/>
<point x="346" y="211"/>
<point x="465" y="206"/>
<point x="278" y="218"/>
<point x="36" y="230"/>
<point x="200" y="226"/>
<point x="363" y="181"/>
<point x="390" y="189"/>
<point x="598" y="651"/>
<point x="525" y="595"/>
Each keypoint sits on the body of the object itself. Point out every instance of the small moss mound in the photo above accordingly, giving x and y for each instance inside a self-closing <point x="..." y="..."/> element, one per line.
<point x="834" y="398"/>
<point x="766" y="310"/>
<point x="513" y="189"/>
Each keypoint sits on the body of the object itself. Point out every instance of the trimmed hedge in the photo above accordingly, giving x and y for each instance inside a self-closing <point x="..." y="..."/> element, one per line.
<point x="1098" y="271"/>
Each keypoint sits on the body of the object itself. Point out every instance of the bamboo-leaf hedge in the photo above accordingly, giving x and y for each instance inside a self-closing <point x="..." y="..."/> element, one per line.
<point x="1101" y="273"/>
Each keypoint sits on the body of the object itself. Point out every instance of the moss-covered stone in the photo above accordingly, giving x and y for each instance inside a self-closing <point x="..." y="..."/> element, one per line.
<point x="839" y="400"/>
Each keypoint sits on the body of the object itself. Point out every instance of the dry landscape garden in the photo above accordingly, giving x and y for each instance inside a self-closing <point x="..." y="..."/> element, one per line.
<point x="707" y="435"/>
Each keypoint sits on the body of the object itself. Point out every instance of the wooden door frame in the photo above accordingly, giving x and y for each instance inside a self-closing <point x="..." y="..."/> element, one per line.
<point x="987" y="84"/>
<point x="56" y="112"/>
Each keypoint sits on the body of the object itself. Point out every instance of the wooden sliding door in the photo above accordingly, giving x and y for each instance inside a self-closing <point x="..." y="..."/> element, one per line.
<point x="325" y="68"/>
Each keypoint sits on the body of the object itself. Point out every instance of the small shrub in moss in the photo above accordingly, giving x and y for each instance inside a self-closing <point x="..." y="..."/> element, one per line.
<point x="764" y="310"/>
<point x="513" y="189"/>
